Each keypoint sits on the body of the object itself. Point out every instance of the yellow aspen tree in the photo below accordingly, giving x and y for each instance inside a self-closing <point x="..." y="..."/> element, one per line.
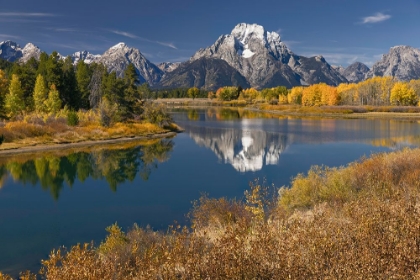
<point x="295" y="95"/>
<point x="402" y="94"/>
<point x="53" y="102"/>
<point x="14" y="103"/>
<point x="40" y="94"/>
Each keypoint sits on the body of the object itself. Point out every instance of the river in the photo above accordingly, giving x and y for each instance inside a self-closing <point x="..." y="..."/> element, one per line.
<point x="70" y="196"/>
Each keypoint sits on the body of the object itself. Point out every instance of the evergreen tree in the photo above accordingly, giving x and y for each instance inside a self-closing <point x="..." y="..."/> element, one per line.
<point x="70" y="94"/>
<point x="4" y="89"/>
<point x="83" y="77"/>
<point x="53" y="103"/>
<point x="27" y="76"/>
<point x="131" y="103"/>
<point x="14" y="99"/>
<point x="54" y="75"/>
<point x="42" y="65"/>
<point x="96" y="84"/>
<point x="40" y="94"/>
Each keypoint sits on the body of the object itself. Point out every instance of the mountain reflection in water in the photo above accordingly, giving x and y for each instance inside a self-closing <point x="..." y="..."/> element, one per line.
<point x="115" y="165"/>
<point x="245" y="150"/>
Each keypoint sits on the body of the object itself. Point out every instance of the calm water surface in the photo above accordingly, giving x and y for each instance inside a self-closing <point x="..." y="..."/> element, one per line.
<point x="64" y="198"/>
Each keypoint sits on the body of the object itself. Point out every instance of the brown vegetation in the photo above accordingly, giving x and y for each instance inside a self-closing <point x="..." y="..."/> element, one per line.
<point x="356" y="222"/>
<point x="41" y="129"/>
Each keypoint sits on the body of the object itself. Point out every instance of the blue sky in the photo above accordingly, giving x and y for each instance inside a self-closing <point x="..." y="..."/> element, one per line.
<point x="343" y="31"/>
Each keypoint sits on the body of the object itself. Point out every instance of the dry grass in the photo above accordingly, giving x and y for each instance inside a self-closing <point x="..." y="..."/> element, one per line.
<point x="38" y="129"/>
<point x="355" y="222"/>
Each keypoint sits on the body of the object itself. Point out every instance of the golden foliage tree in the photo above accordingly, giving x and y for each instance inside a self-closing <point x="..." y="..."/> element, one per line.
<point x="53" y="102"/>
<point x="14" y="102"/>
<point x="193" y="92"/>
<point x="295" y="95"/>
<point x="402" y="94"/>
<point x="249" y="94"/>
<point x="40" y="94"/>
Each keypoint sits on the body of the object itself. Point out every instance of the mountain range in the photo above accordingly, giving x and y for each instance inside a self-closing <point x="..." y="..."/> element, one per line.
<point x="249" y="56"/>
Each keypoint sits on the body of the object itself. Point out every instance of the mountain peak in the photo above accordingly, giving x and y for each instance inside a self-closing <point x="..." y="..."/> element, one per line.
<point x="243" y="32"/>
<point x="120" y="45"/>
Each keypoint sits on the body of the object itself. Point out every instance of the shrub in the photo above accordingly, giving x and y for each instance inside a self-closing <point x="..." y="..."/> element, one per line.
<point x="72" y="118"/>
<point x="156" y="113"/>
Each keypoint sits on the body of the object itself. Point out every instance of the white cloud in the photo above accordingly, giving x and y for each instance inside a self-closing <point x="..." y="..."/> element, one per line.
<point x="7" y="36"/>
<point x="18" y="14"/>
<point x="132" y="36"/>
<point x="125" y="34"/>
<point x="170" y="45"/>
<point x="378" y="17"/>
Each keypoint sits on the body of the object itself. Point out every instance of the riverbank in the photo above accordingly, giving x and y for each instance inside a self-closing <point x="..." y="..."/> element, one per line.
<point x="82" y="144"/>
<point x="347" y="112"/>
<point x="42" y="132"/>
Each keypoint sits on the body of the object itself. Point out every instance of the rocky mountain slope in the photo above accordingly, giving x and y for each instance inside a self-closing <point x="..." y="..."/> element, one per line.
<point x="168" y="66"/>
<point x="402" y="62"/>
<point x="354" y="73"/>
<point x="206" y="73"/>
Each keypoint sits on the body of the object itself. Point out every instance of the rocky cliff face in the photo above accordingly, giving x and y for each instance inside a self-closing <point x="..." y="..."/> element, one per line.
<point x="118" y="57"/>
<point x="402" y="62"/>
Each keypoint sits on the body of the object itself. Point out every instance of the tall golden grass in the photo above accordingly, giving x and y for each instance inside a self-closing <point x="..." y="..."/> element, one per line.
<point x="356" y="222"/>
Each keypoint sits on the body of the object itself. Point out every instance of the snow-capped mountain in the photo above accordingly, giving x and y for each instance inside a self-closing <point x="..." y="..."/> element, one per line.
<point x="29" y="51"/>
<point x="86" y="56"/>
<point x="10" y="51"/>
<point x="118" y="57"/>
<point x="402" y="62"/>
<point x="262" y="58"/>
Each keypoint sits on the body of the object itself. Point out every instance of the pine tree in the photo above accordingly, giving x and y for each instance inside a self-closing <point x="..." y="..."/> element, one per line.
<point x="53" y="103"/>
<point x="54" y="71"/>
<point x="83" y="77"/>
<point x="70" y="94"/>
<point x="40" y="94"/>
<point x="96" y="84"/>
<point x="14" y="103"/>
<point x="131" y="103"/>
<point x="4" y="89"/>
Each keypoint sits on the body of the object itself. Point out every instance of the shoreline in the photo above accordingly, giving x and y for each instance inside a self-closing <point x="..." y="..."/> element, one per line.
<point x="82" y="144"/>
<point x="184" y="103"/>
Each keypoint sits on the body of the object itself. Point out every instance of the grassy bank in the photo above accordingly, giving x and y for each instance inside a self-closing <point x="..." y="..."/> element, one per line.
<point x="46" y="130"/>
<point x="361" y="221"/>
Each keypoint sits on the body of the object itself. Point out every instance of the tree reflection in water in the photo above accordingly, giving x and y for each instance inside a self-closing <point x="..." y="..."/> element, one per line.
<point x="116" y="165"/>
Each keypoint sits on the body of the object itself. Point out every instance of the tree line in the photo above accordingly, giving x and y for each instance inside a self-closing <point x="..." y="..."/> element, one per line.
<point x="50" y="84"/>
<point x="376" y="91"/>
